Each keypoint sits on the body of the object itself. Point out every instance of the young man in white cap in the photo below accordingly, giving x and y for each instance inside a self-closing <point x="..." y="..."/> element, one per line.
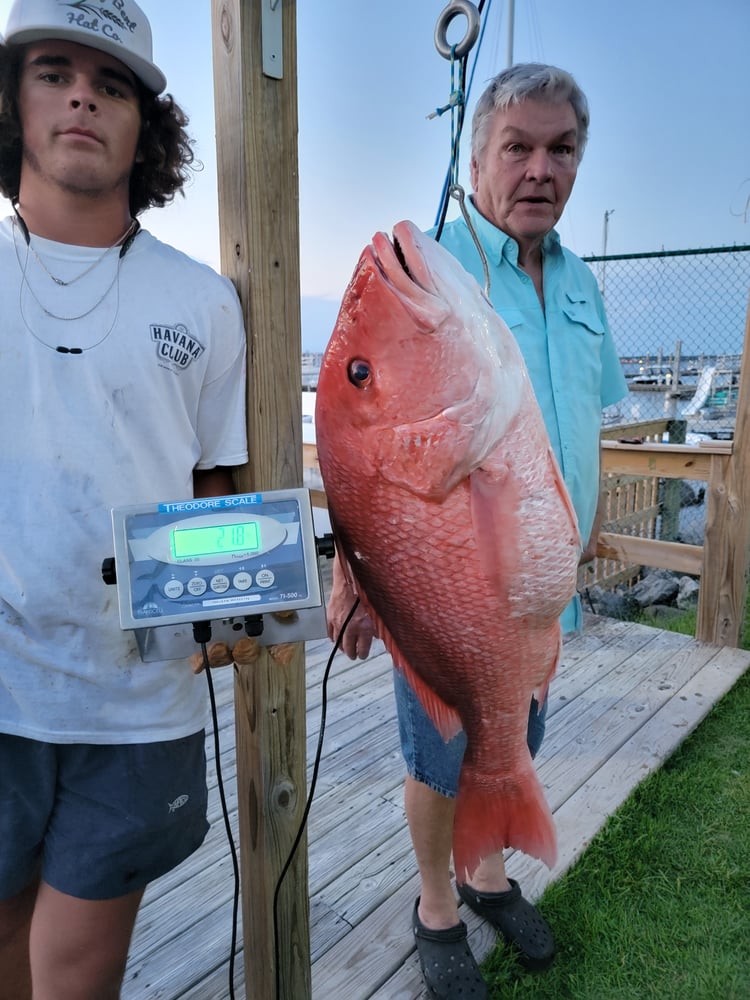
<point x="122" y="381"/>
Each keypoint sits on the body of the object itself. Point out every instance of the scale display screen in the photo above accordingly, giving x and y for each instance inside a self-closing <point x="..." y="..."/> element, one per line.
<point x="216" y="540"/>
<point x="211" y="558"/>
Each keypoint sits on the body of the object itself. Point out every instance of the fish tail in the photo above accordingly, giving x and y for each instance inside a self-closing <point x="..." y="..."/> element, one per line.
<point x="515" y="816"/>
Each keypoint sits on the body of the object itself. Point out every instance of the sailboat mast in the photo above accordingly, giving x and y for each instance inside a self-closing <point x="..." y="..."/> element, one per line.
<point x="511" y="20"/>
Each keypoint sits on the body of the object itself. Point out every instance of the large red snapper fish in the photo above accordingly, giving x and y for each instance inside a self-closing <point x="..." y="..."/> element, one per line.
<point x="448" y="506"/>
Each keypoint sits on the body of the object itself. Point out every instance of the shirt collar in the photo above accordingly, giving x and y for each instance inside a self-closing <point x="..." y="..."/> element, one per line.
<point x="497" y="244"/>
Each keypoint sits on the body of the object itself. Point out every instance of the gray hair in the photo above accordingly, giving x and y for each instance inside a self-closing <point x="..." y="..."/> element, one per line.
<point x="520" y="82"/>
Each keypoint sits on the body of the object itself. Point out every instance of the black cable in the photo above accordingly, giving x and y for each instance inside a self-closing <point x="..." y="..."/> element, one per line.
<point x="310" y="794"/>
<point x="203" y="639"/>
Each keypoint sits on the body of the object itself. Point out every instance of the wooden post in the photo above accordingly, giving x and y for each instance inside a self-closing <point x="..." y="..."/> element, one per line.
<point x="726" y="548"/>
<point x="256" y="135"/>
<point x="672" y="488"/>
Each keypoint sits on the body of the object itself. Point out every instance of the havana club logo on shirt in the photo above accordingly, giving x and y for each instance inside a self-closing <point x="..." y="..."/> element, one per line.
<point x="175" y="347"/>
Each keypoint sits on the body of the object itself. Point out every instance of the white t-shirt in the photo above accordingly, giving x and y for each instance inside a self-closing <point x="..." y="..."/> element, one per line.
<point x="157" y="390"/>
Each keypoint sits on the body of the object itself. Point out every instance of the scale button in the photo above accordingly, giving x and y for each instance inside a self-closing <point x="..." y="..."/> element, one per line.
<point x="265" y="578"/>
<point x="242" y="581"/>
<point x="197" y="586"/>
<point x="219" y="583"/>
<point x="173" y="589"/>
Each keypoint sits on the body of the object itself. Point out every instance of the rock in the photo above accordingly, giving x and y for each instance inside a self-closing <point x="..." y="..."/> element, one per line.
<point x="612" y="604"/>
<point x="660" y="586"/>
<point x="687" y="595"/>
<point x="691" y="494"/>
<point x="661" y="613"/>
<point x="691" y="531"/>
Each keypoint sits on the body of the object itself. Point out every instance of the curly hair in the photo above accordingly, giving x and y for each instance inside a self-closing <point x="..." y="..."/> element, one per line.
<point x="165" y="149"/>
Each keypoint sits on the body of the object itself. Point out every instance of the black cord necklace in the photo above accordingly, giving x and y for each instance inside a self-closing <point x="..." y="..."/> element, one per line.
<point x="127" y="241"/>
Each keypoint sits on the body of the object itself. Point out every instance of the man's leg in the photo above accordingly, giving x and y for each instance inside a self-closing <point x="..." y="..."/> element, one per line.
<point x="430" y="817"/>
<point x="448" y="967"/>
<point x="493" y="896"/>
<point x="79" y="947"/>
<point x="15" y="924"/>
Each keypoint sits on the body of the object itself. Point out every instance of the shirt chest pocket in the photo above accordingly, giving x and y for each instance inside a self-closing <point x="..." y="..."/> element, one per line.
<point x="580" y="351"/>
<point x="580" y="312"/>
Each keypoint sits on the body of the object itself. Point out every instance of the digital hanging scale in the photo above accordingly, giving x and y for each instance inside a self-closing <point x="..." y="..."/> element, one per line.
<point x="246" y="563"/>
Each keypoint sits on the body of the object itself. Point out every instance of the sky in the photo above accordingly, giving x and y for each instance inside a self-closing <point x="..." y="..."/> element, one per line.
<point x="668" y="156"/>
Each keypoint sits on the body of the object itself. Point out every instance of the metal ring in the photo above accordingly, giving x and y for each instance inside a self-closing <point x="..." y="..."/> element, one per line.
<point x="453" y="9"/>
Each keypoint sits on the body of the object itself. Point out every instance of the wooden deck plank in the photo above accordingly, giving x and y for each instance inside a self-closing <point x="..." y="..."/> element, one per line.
<point x="624" y="698"/>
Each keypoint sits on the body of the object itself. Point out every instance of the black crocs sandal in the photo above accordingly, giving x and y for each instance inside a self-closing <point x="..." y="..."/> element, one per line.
<point x="520" y="923"/>
<point x="448" y="967"/>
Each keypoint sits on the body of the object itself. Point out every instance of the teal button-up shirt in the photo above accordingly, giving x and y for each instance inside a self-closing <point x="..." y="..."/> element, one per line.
<point x="567" y="346"/>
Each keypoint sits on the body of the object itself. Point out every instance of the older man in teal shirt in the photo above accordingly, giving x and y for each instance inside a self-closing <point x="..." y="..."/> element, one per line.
<point x="528" y="135"/>
<point x="567" y="345"/>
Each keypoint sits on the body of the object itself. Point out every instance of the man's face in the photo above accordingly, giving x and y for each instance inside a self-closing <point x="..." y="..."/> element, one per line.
<point x="524" y="175"/>
<point x="80" y="118"/>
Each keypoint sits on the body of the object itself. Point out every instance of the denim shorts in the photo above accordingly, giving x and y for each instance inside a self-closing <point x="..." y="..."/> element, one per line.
<point x="429" y="758"/>
<point x="98" y="822"/>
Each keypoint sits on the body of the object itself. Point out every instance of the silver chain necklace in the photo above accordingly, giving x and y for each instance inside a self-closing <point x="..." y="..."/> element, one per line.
<point x="19" y="221"/>
<point x="130" y="236"/>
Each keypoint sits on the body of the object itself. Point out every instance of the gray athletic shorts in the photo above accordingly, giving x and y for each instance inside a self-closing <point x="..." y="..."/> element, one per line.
<point x="98" y="822"/>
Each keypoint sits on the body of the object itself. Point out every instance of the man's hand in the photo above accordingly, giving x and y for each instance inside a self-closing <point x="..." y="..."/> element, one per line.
<point x="357" y="638"/>
<point x="218" y="653"/>
<point x="243" y="653"/>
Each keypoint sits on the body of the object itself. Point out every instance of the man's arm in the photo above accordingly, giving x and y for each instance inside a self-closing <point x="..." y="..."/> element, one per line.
<point x="357" y="638"/>
<point x="216" y="482"/>
<point x="589" y="549"/>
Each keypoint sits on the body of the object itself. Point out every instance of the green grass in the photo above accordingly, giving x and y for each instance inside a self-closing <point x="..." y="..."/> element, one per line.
<point x="659" y="904"/>
<point x="686" y="622"/>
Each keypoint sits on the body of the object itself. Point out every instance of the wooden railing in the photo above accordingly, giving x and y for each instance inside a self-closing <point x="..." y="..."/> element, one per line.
<point x="633" y="504"/>
<point x="721" y="561"/>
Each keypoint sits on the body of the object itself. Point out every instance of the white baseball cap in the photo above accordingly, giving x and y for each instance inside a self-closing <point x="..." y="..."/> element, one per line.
<point x="117" y="27"/>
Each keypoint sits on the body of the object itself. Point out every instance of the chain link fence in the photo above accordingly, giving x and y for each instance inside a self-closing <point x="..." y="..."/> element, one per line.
<point x="678" y="320"/>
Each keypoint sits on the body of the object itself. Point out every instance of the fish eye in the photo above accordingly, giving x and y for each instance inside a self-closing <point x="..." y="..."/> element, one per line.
<point x="360" y="373"/>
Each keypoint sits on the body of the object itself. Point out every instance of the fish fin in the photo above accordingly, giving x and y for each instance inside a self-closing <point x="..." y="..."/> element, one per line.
<point x="445" y="719"/>
<point x="428" y="458"/>
<point x="495" y="498"/>
<point x="487" y="822"/>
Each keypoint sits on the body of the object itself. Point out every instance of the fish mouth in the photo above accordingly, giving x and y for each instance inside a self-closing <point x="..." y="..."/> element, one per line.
<point x="400" y="257"/>
<point x="400" y="261"/>
<point x="390" y="258"/>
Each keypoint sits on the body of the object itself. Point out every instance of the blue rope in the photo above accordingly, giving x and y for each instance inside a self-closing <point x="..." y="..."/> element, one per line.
<point x="456" y="105"/>
<point x="457" y="97"/>
<point x="457" y="114"/>
<point x="451" y="174"/>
